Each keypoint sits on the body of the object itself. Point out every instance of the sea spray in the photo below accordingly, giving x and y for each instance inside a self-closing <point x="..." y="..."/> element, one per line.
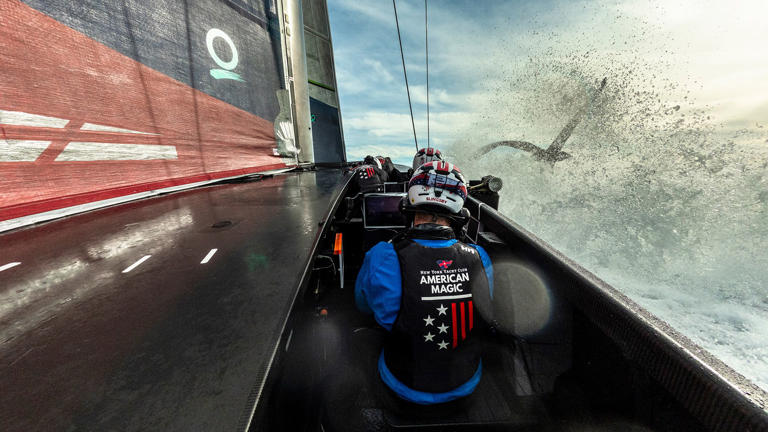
<point x="660" y="198"/>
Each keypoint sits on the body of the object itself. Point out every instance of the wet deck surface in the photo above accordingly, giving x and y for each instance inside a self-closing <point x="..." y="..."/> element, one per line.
<point x="171" y="344"/>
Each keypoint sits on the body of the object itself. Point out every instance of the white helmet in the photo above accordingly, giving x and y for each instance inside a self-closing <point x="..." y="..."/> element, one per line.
<point x="426" y="155"/>
<point x="437" y="186"/>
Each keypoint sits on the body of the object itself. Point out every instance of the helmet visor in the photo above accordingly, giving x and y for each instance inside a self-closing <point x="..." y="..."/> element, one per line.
<point x="439" y="181"/>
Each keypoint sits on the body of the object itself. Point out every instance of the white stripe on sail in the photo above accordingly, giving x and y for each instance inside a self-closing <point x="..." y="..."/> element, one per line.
<point x="9" y="265"/>
<point x="96" y="151"/>
<point x="103" y="128"/>
<point x="21" y="150"/>
<point x="19" y="118"/>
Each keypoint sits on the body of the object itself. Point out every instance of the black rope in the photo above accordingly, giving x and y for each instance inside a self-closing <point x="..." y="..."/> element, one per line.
<point x="405" y="74"/>
<point x="426" y="43"/>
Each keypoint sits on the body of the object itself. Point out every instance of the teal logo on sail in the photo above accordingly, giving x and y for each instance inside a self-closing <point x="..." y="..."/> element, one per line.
<point x="226" y="71"/>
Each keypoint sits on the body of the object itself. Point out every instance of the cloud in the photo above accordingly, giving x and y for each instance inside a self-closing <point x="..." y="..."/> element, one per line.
<point x="371" y="10"/>
<point x="398" y="153"/>
<point x="353" y="84"/>
<point x="381" y="72"/>
<point x="381" y="124"/>
<point x="437" y="96"/>
<point x="389" y="124"/>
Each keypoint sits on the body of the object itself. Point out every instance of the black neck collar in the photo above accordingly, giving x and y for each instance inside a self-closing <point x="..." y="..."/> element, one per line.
<point x="431" y="231"/>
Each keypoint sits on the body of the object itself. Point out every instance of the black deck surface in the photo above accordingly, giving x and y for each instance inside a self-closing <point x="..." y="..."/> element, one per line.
<point x="172" y="345"/>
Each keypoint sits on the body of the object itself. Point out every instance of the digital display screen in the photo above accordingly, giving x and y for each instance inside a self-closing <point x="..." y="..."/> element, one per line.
<point x="383" y="211"/>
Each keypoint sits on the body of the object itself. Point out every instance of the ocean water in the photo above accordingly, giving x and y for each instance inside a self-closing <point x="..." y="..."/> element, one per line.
<point x="661" y="198"/>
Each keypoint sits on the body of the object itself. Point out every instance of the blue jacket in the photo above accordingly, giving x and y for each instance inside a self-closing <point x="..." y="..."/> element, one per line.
<point x="377" y="291"/>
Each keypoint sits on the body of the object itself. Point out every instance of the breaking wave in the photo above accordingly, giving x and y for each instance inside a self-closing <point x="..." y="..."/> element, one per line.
<point x="659" y="198"/>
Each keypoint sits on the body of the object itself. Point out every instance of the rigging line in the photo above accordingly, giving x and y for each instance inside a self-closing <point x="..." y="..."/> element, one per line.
<point x="405" y="74"/>
<point x="426" y="44"/>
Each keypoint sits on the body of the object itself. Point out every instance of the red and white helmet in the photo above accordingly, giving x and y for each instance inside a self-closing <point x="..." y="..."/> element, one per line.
<point x="426" y="155"/>
<point x="437" y="186"/>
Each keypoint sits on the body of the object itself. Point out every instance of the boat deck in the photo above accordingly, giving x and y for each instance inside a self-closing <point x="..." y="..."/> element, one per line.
<point x="90" y="341"/>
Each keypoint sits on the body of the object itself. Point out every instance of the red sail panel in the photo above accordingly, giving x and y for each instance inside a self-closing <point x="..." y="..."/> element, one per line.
<point x="80" y="122"/>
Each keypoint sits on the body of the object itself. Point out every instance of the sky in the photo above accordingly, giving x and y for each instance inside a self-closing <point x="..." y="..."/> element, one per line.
<point x="714" y="50"/>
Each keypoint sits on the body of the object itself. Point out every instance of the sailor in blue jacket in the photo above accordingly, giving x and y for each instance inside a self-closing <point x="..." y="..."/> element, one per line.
<point x="424" y="289"/>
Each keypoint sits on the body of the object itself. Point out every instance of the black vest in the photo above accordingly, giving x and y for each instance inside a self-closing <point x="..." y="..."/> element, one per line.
<point x="431" y="347"/>
<point x="370" y="178"/>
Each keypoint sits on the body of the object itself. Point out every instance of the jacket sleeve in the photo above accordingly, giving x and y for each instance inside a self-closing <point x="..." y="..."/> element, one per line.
<point x="378" y="286"/>
<point x="487" y="265"/>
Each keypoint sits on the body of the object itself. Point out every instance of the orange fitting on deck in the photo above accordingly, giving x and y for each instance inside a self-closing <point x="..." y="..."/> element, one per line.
<point x="337" y="245"/>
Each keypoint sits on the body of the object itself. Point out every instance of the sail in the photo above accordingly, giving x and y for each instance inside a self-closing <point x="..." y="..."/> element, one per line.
<point x="107" y="99"/>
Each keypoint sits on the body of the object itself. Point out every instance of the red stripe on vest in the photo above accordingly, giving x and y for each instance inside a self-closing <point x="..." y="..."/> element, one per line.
<point x="470" y="315"/>
<point x="455" y="335"/>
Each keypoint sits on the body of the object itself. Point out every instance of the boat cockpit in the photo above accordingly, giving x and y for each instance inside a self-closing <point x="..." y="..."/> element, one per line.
<point x="562" y="356"/>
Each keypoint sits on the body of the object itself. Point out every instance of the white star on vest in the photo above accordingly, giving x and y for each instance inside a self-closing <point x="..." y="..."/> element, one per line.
<point x="443" y="345"/>
<point x="428" y="320"/>
<point x="441" y="310"/>
<point x="443" y="328"/>
<point x="428" y="337"/>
